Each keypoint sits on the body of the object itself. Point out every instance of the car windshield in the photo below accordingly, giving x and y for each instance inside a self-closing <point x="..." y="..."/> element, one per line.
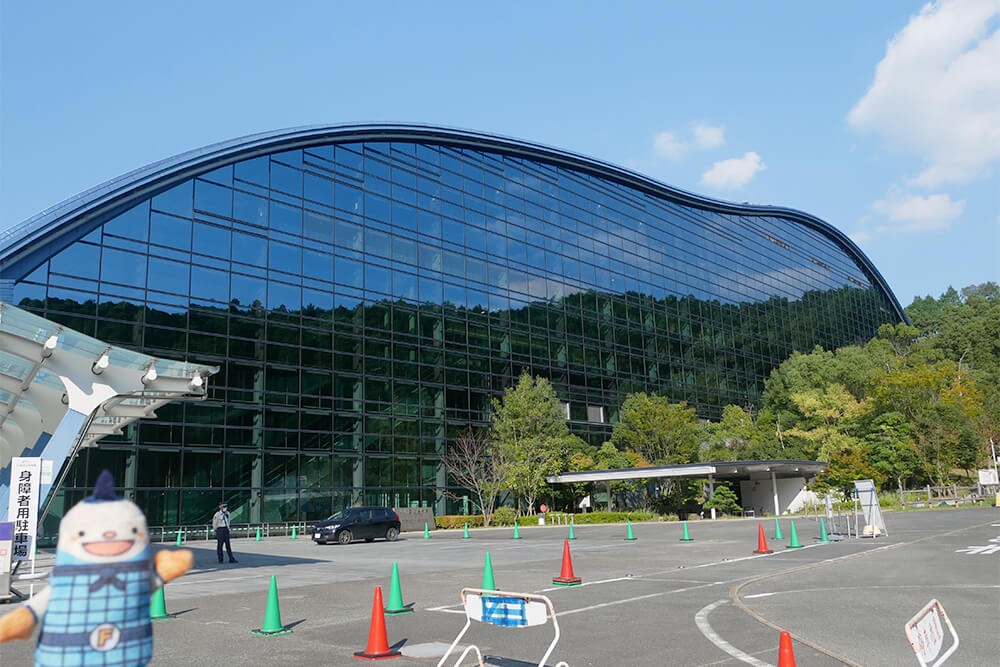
<point x="339" y="516"/>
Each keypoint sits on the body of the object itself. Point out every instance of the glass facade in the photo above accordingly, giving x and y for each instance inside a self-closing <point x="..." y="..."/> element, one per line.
<point x="366" y="300"/>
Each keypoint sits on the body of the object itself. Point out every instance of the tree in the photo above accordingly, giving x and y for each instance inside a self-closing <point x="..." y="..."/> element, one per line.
<point x="472" y="464"/>
<point x="846" y="464"/>
<point x="893" y="454"/>
<point x="826" y="416"/>
<point x="723" y="499"/>
<point x="663" y="432"/>
<point x="530" y="435"/>
<point x="732" y="437"/>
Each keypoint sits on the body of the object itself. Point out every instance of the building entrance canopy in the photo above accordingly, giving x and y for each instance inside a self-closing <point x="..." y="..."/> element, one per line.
<point x="734" y="470"/>
<point x="61" y="389"/>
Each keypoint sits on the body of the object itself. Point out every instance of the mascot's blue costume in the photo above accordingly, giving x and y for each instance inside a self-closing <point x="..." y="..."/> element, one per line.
<point x="96" y="608"/>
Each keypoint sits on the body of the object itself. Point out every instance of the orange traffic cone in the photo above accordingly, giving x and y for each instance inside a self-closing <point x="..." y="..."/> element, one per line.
<point x="761" y="541"/>
<point x="566" y="577"/>
<point x="786" y="656"/>
<point x="378" y="645"/>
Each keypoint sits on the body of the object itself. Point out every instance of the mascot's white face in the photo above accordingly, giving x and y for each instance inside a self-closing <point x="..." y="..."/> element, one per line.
<point x="105" y="531"/>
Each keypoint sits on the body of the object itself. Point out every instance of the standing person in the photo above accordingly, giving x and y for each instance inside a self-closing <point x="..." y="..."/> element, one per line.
<point x="220" y="522"/>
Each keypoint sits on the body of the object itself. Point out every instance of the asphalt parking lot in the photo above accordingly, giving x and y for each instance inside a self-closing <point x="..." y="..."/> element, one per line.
<point x="651" y="601"/>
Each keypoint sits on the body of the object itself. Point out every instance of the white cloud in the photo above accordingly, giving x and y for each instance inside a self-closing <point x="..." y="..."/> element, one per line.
<point x="708" y="136"/>
<point x="733" y="173"/>
<point x="668" y="146"/>
<point x="936" y="93"/>
<point x="704" y="137"/>
<point x="918" y="212"/>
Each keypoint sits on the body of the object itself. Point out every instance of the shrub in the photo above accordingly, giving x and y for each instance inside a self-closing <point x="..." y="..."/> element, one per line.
<point x="458" y="521"/>
<point x="614" y="517"/>
<point x="503" y="516"/>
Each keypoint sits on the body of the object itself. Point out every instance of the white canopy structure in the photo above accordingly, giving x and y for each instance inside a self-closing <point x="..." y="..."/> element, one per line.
<point x="742" y="471"/>
<point x="61" y="390"/>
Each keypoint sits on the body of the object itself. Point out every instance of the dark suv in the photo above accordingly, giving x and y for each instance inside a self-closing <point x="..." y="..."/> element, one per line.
<point x="357" y="523"/>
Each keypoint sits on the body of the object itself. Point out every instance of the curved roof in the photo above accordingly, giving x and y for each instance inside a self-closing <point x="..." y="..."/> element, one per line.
<point x="23" y="247"/>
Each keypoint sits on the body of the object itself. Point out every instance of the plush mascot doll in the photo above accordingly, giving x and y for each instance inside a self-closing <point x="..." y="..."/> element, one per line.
<point x="95" y="610"/>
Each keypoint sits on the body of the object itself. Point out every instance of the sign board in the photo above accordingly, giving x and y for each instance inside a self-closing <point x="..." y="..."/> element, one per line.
<point x="22" y="508"/>
<point x="505" y="610"/>
<point x="988" y="477"/>
<point x="926" y="635"/>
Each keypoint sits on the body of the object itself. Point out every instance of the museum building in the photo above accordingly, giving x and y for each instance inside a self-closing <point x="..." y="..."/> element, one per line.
<point x="366" y="290"/>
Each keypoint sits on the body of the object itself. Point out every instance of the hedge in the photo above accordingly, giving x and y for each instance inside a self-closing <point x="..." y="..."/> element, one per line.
<point x="458" y="521"/>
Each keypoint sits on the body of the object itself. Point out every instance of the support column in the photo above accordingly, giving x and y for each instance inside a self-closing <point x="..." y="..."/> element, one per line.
<point x="711" y="491"/>
<point x="774" y="489"/>
<point x="66" y="436"/>
<point x="256" y="514"/>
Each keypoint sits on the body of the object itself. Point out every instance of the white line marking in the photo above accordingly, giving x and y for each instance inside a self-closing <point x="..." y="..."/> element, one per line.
<point x="645" y="597"/>
<point x="701" y="619"/>
<point x="758" y="595"/>
<point x="586" y="583"/>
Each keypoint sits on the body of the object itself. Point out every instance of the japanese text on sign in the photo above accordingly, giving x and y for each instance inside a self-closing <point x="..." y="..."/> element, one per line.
<point x="22" y="508"/>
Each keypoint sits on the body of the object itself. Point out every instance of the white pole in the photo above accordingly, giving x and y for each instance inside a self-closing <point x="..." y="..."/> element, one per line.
<point x="993" y="449"/>
<point x="774" y="488"/>
<point x="711" y="491"/>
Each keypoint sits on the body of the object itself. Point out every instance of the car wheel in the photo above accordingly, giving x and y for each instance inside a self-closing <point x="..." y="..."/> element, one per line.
<point x="345" y="537"/>
<point x="392" y="533"/>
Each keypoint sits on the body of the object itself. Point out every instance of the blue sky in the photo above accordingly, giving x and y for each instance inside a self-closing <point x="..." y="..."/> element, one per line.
<point x="882" y="118"/>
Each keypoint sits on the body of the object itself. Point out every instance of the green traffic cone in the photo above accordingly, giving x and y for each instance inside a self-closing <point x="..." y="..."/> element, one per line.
<point x="794" y="543"/>
<point x="180" y="538"/>
<point x="823" y="537"/>
<point x="272" y="615"/>
<point x="777" y="530"/>
<point x="572" y="535"/>
<point x="158" y="606"/>
<point x="465" y="532"/>
<point x="396" y="605"/>
<point x="427" y="533"/>
<point x="258" y="533"/>
<point x="517" y="534"/>
<point x="295" y="534"/>
<point x="687" y="536"/>
<point x="488" y="583"/>
<point x="629" y="537"/>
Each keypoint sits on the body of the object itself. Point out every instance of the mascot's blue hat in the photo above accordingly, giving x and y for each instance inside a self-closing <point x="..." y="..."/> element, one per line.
<point x="104" y="489"/>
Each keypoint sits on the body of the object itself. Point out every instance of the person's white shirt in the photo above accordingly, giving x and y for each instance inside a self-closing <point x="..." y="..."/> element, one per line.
<point x="220" y="519"/>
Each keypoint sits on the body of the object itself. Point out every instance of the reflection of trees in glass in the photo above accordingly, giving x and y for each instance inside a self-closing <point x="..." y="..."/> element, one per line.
<point x="594" y="347"/>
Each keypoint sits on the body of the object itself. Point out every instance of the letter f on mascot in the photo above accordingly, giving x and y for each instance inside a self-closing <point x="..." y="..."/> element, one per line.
<point x="96" y="608"/>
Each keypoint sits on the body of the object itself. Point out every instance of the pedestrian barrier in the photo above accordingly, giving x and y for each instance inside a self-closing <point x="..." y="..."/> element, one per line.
<point x="504" y="609"/>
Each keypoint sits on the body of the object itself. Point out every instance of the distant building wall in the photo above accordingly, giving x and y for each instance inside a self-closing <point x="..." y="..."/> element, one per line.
<point x="758" y="495"/>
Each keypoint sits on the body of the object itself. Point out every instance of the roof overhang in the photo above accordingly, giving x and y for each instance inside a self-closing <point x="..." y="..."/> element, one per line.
<point x="715" y="469"/>
<point x="40" y="360"/>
